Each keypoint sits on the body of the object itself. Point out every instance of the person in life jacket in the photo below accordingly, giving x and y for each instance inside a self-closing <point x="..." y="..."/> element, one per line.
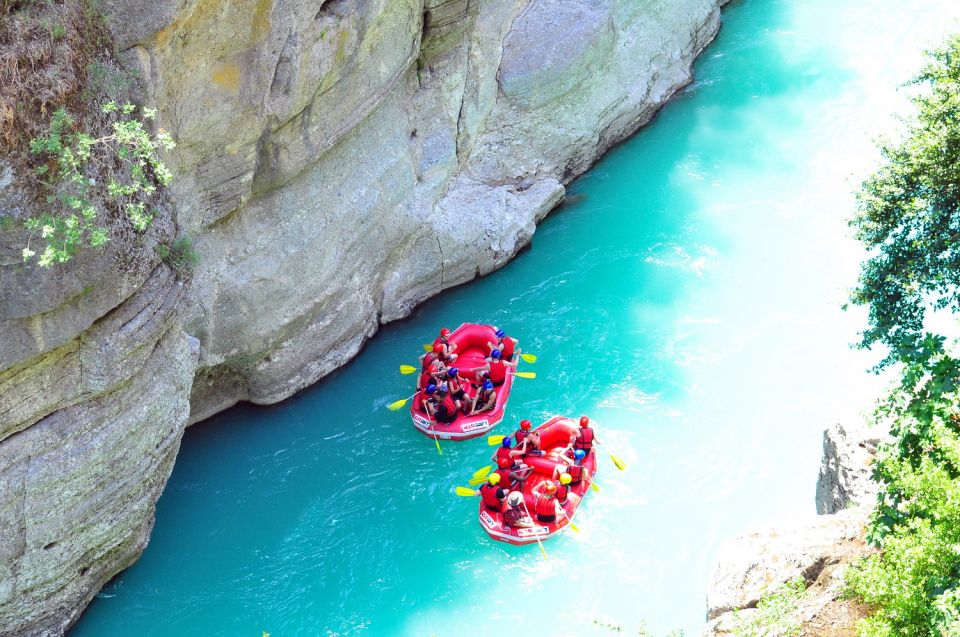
<point x="530" y="445"/>
<point x="513" y="513"/>
<point x="503" y="470"/>
<point x="431" y="370"/>
<point x="447" y="349"/>
<point x="503" y="451"/>
<point x="546" y="505"/>
<point x="522" y="432"/>
<point x="431" y="375"/>
<point x="492" y="494"/>
<point x="429" y="359"/>
<point x="585" y="436"/>
<point x="566" y="455"/>
<point x="563" y="491"/>
<point x="576" y="469"/>
<point x="507" y="346"/>
<point x="485" y="398"/>
<point x="447" y="407"/>
<point x="426" y="378"/>
<point x="513" y="473"/>
<point x="455" y="384"/>
<point x="496" y="368"/>
<point x="429" y="401"/>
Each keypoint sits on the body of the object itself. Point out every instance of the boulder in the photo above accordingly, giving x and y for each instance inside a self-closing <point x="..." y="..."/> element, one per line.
<point x="758" y="562"/>
<point x="844" y="478"/>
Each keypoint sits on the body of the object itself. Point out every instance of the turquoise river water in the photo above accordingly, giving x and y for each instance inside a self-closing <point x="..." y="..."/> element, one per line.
<point x="687" y="297"/>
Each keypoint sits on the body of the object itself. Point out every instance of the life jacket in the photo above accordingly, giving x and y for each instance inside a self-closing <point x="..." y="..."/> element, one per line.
<point x="504" y="476"/>
<point x="445" y="352"/>
<point x="425" y="379"/>
<point x="489" y="493"/>
<point x="512" y="515"/>
<point x="447" y="410"/>
<point x="428" y="360"/>
<point x="576" y="473"/>
<point x="498" y="372"/>
<point x="483" y="396"/>
<point x="506" y="347"/>
<point x="430" y="401"/>
<point x="520" y="434"/>
<point x="530" y="444"/>
<point x="562" y="491"/>
<point x="454" y="385"/>
<point x="504" y="452"/>
<point x="584" y="439"/>
<point x="545" y="506"/>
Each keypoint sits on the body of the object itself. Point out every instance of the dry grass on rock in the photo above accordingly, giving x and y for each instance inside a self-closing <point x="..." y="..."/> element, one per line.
<point x="53" y="53"/>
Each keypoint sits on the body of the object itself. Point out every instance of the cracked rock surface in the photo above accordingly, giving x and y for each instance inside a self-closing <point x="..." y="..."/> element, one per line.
<point x="338" y="162"/>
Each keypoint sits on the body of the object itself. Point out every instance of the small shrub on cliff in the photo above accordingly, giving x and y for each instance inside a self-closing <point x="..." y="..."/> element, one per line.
<point x="179" y="255"/>
<point x="86" y="178"/>
<point x="775" y="615"/>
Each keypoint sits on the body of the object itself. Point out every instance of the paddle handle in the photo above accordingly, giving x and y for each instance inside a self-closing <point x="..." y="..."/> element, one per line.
<point x="536" y="534"/>
<point x="435" y="439"/>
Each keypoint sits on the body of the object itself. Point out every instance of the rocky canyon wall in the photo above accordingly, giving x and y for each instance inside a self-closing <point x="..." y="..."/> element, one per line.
<point x="338" y="162"/>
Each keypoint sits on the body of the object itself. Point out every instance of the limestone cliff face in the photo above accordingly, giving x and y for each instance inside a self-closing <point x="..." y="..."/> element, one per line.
<point x="338" y="163"/>
<point x="94" y="385"/>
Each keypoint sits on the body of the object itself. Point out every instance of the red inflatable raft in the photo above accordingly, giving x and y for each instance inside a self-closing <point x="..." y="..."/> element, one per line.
<point x="472" y="350"/>
<point x="554" y="437"/>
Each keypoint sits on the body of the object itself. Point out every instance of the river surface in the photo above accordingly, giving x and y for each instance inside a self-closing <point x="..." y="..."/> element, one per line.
<point x="687" y="297"/>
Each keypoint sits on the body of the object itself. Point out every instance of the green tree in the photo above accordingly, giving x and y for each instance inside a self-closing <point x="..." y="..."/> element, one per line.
<point x="909" y="219"/>
<point x="909" y="216"/>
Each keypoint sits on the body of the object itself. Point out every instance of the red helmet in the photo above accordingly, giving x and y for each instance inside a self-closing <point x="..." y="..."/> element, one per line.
<point x="584" y="421"/>
<point x="438" y="348"/>
<point x="525" y="425"/>
<point x="549" y="487"/>
<point x="444" y="332"/>
<point x="503" y="463"/>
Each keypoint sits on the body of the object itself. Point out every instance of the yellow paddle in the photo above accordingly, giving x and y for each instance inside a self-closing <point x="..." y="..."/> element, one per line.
<point x="483" y="472"/>
<point x="398" y="404"/>
<point x="436" y="441"/>
<point x="595" y="487"/>
<point x="476" y="481"/>
<point x="526" y="374"/>
<point x="427" y="347"/>
<point x="573" y="526"/>
<point x="530" y="358"/>
<point x="495" y="439"/>
<point x="618" y="463"/>
<point x="467" y="493"/>
<point x="407" y="369"/>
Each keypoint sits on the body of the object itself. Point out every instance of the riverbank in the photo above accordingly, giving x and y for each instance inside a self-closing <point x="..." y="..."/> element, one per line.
<point x="812" y="552"/>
